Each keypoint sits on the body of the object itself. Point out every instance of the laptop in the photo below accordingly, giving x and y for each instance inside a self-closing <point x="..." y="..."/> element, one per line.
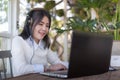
<point x="90" y="55"/>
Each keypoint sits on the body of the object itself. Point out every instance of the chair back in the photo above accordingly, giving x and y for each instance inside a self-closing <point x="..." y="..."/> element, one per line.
<point x="4" y="55"/>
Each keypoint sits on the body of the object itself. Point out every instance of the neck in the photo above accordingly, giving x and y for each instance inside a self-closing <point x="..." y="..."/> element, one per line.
<point x="37" y="41"/>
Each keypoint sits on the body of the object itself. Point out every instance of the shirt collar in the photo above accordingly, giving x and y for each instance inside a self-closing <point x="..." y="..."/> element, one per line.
<point x="32" y="42"/>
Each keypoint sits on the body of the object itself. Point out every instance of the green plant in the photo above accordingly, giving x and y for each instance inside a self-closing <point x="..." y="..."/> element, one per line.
<point x="107" y="11"/>
<point x="116" y="21"/>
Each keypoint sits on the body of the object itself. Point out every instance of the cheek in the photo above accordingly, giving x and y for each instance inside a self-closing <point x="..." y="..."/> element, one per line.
<point x="35" y="31"/>
<point x="47" y="30"/>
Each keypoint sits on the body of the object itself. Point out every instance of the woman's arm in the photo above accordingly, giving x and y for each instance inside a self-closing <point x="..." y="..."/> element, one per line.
<point x="56" y="63"/>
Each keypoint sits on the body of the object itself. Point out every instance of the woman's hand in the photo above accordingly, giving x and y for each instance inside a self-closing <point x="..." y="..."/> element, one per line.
<point x="56" y="67"/>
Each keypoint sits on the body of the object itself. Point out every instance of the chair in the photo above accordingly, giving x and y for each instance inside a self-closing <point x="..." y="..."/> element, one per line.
<point x="5" y="55"/>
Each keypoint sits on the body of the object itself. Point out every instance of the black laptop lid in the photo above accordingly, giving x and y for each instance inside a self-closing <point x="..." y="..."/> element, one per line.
<point x="90" y="54"/>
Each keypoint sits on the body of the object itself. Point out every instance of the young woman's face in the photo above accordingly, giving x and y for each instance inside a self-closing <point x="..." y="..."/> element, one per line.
<point x="41" y="29"/>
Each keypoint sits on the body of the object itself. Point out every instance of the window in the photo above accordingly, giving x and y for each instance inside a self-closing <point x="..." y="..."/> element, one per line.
<point x="3" y="15"/>
<point x="3" y="24"/>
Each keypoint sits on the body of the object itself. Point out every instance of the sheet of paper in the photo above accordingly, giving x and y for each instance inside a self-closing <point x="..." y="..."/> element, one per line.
<point x="115" y="61"/>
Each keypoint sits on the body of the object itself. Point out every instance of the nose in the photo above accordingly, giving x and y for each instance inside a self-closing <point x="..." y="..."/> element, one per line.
<point x="44" y="27"/>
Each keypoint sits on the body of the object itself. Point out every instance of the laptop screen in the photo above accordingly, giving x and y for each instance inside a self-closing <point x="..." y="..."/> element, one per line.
<point x="90" y="53"/>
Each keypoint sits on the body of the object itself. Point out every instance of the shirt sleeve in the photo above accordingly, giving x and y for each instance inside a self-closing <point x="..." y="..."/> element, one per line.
<point x="39" y="68"/>
<point x="54" y="59"/>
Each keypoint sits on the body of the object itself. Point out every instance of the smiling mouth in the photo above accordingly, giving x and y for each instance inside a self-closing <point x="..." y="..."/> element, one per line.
<point x="41" y="33"/>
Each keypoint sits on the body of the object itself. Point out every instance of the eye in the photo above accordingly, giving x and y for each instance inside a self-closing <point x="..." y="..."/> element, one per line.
<point x="40" y="24"/>
<point x="47" y="26"/>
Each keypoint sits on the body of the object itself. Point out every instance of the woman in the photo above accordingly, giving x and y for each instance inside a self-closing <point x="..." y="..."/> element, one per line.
<point x="30" y="50"/>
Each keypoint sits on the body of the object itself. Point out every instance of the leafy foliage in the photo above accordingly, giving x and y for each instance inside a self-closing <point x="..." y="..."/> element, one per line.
<point x="60" y="12"/>
<point x="49" y="5"/>
<point x="76" y="23"/>
<point x="91" y="3"/>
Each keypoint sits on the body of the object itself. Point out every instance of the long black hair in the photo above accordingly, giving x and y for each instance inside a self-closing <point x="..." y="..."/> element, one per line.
<point x="33" y="18"/>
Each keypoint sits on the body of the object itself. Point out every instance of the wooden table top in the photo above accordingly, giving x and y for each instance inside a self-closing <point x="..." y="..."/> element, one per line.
<point x="111" y="75"/>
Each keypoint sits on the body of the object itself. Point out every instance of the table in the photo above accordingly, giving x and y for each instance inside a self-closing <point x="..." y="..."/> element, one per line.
<point x="111" y="75"/>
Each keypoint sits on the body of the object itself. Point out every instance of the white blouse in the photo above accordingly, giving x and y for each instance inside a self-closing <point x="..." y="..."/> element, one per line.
<point x="29" y="57"/>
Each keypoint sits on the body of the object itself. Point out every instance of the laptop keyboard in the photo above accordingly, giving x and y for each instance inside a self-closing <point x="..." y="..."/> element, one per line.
<point x="60" y="74"/>
<point x="64" y="72"/>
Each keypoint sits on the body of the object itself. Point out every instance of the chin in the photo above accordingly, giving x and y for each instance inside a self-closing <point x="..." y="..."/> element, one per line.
<point x="41" y="38"/>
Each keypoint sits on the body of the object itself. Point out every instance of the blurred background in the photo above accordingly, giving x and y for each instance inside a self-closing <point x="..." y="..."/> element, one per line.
<point x="67" y="15"/>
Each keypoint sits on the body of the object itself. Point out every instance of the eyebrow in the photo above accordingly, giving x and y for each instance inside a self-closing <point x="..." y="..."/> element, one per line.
<point x="43" y="22"/>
